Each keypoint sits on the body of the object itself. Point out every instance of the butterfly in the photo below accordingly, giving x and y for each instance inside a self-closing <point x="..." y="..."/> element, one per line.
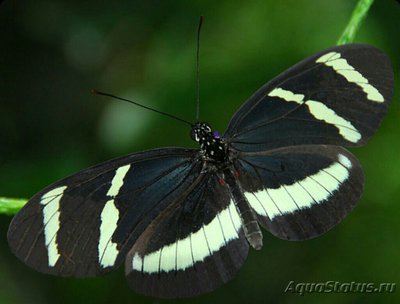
<point x="182" y="220"/>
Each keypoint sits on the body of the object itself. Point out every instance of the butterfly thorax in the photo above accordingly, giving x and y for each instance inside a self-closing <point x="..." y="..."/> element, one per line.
<point x="212" y="146"/>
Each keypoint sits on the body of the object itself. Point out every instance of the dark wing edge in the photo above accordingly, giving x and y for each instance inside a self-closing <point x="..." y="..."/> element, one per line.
<point x="338" y="97"/>
<point x="83" y="225"/>
<point x="301" y="192"/>
<point x="190" y="250"/>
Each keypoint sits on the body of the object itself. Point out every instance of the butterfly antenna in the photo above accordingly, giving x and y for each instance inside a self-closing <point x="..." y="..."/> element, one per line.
<point x="143" y="106"/>
<point x="197" y="68"/>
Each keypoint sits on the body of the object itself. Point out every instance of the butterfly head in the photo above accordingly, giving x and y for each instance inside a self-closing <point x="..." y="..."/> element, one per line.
<point x="200" y="131"/>
<point x="210" y="142"/>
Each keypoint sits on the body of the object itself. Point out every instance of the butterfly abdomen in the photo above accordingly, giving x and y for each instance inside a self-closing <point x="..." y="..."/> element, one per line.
<point x="250" y="225"/>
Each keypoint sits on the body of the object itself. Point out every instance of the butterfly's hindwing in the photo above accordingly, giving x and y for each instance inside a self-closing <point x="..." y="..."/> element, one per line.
<point x="191" y="248"/>
<point x="83" y="225"/>
<point x="301" y="192"/>
<point x="338" y="96"/>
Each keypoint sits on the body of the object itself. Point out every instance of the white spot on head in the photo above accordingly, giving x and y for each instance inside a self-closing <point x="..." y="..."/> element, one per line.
<point x="342" y="67"/>
<point x="51" y="222"/>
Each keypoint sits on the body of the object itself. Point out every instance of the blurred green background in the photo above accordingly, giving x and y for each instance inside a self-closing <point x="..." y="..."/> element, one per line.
<point x="52" y="53"/>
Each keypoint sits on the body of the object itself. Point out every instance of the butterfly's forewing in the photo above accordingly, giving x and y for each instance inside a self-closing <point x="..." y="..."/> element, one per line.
<point x="301" y="192"/>
<point x="84" y="225"/>
<point x="192" y="247"/>
<point x="338" y="96"/>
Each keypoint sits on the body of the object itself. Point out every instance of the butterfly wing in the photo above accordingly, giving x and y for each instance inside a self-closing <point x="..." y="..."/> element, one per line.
<point x="190" y="249"/>
<point x="338" y="96"/>
<point x="301" y="192"/>
<point x="294" y="176"/>
<point x="85" y="224"/>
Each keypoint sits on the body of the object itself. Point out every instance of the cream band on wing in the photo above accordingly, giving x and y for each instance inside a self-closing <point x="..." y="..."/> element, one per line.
<point x="51" y="222"/>
<point x="342" y="67"/>
<point x="302" y="194"/>
<point x="321" y="112"/>
<point x="195" y="247"/>
<point x="108" y="251"/>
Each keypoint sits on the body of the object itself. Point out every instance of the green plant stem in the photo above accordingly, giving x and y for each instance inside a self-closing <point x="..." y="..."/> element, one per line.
<point x="359" y="14"/>
<point x="11" y="206"/>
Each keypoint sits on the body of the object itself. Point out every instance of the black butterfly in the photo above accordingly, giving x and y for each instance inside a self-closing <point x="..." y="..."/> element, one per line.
<point x="183" y="219"/>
